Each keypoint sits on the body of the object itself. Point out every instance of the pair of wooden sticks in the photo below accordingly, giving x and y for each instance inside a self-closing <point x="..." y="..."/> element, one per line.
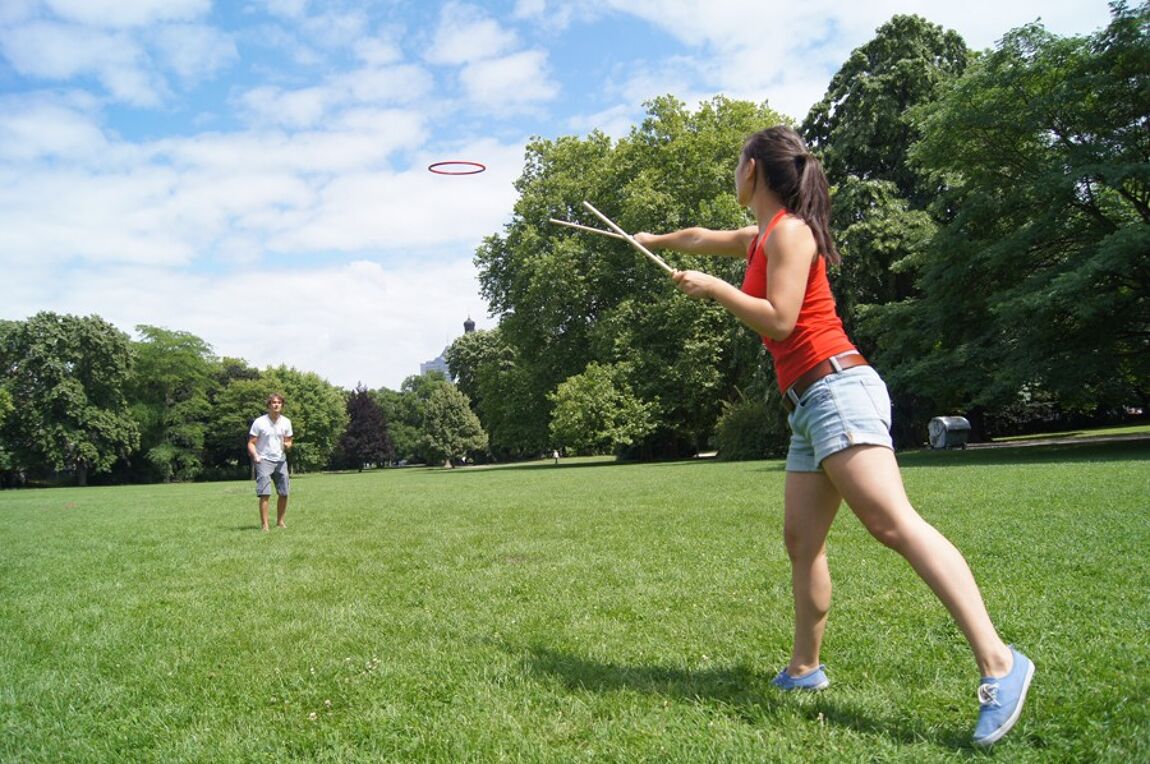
<point x="616" y="233"/>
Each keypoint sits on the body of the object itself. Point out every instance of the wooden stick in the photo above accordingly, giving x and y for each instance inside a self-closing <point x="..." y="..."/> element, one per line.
<point x="587" y="228"/>
<point x="630" y="239"/>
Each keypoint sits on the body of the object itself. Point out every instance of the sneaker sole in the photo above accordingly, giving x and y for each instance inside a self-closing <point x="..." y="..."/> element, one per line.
<point x="997" y="735"/>
<point x="796" y="688"/>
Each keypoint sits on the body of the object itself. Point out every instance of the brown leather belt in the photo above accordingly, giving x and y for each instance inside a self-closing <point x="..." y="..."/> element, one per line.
<point x="818" y="371"/>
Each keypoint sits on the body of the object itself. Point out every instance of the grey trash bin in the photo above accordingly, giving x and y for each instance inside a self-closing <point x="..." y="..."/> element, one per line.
<point x="948" y="432"/>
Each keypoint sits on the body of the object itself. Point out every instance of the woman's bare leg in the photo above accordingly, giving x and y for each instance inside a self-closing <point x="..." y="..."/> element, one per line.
<point x="868" y="479"/>
<point x="811" y="503"/>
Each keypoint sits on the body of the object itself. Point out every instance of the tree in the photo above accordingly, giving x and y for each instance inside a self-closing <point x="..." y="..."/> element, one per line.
<point x="566" y="299"/>
<point x="66" y="376"/>
<point x="862" y="131"/>
<point x="7" y="461"/>
<point x="595" y="414"/>
<point x="317" y="411"/>
<point x="465" y="357"/>
<point x="403" y="422"/>
<point x="169" y="391"/>
<point x="405" y="410"/>
<point x="451" y="430"/>
<point x="1038" y="283"/>
<point x="366" y="440"/>
<point x="237" y="398"/>
<point x="488" y="371"/>
<point x="861" y="127"/>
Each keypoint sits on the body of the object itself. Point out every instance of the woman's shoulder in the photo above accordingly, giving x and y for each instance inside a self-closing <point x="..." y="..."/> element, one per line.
<point x="792" y="234"/>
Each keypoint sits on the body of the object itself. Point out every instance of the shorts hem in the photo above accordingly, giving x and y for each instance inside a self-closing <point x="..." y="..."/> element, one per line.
<point x="842" y="443"/>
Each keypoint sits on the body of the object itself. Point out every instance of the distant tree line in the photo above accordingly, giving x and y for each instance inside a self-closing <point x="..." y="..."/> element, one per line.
<point x="81" y="400"/>
<point x="992" y="209"/>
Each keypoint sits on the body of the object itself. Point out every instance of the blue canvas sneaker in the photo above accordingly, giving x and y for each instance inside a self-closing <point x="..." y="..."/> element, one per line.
<point x="810" y="681"/>
<point x="1000" y="700"/>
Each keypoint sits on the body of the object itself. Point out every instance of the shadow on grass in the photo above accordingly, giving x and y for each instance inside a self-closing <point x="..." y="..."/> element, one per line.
<point x="740" y="688"/>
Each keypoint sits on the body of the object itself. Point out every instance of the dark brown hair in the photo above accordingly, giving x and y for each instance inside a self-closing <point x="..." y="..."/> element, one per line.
<point x="792" y="172"/>
<point x="274" y="397"/>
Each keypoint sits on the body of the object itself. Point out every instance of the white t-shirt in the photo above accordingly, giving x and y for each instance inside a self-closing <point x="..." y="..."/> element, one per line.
<point x="270" y="436"/>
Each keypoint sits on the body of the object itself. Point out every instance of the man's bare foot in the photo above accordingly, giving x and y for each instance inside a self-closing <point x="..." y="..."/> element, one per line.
<point x="264" y="528"/>
<point x="281" y="525"/>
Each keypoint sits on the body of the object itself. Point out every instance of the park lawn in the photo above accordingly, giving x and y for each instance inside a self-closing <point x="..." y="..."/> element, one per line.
<point x="586" y="611"/>
<point x="1118" y="431"/>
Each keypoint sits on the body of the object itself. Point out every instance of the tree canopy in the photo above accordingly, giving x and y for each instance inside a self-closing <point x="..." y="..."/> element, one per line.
<point x="365" y="441"/>
<point x="567" y="299"/>
<point x="1037" y="281"/>
<point x="66" y="375"/>
<point x="169" y="389"/>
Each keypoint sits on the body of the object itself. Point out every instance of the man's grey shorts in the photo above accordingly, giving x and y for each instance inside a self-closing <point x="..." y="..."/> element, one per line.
<point x="268" y="472"/>
<point x="849" y="408"/>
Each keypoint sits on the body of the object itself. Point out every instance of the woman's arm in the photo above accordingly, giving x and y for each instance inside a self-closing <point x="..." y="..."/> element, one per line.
<point x="702" y="241"/>
<point x="790" y="252"/>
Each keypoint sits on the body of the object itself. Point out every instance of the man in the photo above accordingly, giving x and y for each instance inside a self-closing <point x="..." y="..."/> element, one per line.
<point x="268" y="441"/>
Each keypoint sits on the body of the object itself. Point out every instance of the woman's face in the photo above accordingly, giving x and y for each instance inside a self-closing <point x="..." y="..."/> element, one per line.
<point x="744" y="180"/>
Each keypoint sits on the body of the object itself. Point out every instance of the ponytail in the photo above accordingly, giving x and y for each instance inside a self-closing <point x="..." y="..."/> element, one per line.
<point x="797" y="177"/>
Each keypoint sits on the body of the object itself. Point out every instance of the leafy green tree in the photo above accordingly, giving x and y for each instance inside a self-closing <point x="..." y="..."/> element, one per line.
<point x="169" y="390"/>
<point x="861" y="127"/>
<point x="237" y="397"/>
<point x="862" y="131"/>
<point x="466" y="355"/>
<point x="66" y="376"/>
<point x="566" y="299"/>
<point x="404" y="417"/>
<point x="1038" y="283"/>
<point x="488" y="371"/>
<point x="317" y="411"/>
<point x="595" y="414"/>
<point x="451" y="430"/>
<point x="366" y="440"/>
<point x="7" y="460"/>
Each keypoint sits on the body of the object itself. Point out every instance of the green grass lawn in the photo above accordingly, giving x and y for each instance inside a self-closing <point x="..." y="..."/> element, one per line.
<point x="589" y="611"/>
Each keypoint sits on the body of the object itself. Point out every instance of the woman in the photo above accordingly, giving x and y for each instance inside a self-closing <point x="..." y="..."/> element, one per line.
<point x="839" y="416"/>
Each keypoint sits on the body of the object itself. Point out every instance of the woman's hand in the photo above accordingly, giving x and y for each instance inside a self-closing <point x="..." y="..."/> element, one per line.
<point x="694" y="284"/>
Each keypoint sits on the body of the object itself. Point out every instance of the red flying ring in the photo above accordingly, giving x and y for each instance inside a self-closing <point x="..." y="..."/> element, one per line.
<point x="472" y="168"/>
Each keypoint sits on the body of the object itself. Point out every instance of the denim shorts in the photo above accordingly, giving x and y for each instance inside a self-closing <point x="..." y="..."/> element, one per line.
<point x="850" y="408"/>
<point x="268" y="472"/>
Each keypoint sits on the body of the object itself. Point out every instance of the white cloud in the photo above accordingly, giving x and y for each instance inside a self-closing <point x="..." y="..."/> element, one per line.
<point x="127" y="13"/>
<point x="290" y="9"/>
<point x="615" y="122"/>
<point x="377" y="51"/>
<point x="518" y="79"/>
<point x="787" y="53"/>
<point x="194" y="51"/>
<point x="467" y="34"/>
<point x="403" y="83"/>
<point x="62" y="51"/>
<point x="41" y="126"/>
<point x="314" y="106"/>
<point x="299" y="108"/>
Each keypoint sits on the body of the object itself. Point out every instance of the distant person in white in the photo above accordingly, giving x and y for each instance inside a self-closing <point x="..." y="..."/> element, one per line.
<point x="268" y="443"/>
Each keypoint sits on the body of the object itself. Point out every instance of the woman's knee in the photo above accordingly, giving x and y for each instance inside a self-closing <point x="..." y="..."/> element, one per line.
<point x="895" y="532"/>
<point x="801" y="548"/>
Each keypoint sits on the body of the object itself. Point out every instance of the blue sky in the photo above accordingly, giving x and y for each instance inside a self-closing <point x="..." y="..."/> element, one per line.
<point x="254" y="172"/>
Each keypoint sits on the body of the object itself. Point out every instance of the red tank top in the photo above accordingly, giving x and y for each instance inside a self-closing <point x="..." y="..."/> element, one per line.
<point x="818" y="333"/>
